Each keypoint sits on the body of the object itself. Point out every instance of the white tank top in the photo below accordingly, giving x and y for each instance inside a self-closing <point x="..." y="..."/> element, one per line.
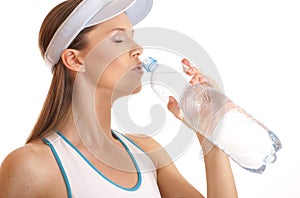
<point x="83" y="180"/>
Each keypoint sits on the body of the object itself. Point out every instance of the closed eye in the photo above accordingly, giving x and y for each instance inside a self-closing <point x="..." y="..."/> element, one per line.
<point x="118" y="38"/>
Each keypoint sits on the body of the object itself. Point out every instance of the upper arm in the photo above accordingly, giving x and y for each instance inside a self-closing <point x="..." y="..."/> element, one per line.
<point x="170" y="181"/>
<point x="173" y="184"/>
<point x="20" y="175"/>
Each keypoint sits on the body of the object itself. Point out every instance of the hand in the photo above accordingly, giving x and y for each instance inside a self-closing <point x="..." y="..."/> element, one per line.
<point x="173" y="106"/>
<point x="197" y="77"/>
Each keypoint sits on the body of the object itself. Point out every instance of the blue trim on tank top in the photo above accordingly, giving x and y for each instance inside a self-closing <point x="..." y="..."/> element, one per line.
<point x="138" y="184"/>
<point x="131" y="141"/>
<point x="62" y="170"/>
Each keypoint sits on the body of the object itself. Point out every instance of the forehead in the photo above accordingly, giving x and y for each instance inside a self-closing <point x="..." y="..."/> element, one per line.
<point x="103" y="29"/>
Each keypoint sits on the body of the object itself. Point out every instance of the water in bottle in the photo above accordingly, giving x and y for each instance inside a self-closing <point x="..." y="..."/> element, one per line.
<point x="208" y="111"/>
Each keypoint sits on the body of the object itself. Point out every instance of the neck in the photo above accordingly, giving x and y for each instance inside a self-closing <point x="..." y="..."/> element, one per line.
<point x="103" y="105"/>
<point x="90" y="115"/>
<point x="89" y="126"/>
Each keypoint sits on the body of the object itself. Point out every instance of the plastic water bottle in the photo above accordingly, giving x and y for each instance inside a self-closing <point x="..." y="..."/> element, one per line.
<point x="165" y="81"/>
<point x="208" y="111"/>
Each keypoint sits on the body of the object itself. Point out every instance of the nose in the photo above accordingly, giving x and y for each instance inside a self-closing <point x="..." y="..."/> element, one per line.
<point x="136" y="52"/>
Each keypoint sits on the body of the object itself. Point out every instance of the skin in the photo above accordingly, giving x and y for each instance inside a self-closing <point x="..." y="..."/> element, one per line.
<point x="32" y="171"/>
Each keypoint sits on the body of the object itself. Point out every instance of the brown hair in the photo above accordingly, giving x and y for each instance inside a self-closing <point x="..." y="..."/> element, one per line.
<point x="57" y="106"/>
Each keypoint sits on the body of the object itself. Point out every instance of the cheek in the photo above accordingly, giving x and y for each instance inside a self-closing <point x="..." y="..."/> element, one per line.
<point x="105" y="63"/>
<point x="108" y="79"/>
<point x="112" y="74"/>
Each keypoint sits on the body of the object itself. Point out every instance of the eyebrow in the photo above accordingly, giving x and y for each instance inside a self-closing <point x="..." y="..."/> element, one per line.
<point x="122" y="29"/>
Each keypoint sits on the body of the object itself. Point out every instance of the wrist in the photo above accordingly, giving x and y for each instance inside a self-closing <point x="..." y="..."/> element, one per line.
<point x="206" y="145"/>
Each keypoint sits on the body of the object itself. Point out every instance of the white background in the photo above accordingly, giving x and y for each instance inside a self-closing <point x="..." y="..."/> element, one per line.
<point x="254" y="44"/>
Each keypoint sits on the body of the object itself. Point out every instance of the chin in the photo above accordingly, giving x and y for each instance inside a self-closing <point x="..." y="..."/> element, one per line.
<point x="137" y="90"/>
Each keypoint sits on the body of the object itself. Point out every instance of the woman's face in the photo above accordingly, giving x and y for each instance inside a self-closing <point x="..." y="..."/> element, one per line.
<point x="112" y="57"/>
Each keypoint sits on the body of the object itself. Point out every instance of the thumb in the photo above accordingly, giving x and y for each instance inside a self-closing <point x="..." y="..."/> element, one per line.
<point x="174" y="108"/>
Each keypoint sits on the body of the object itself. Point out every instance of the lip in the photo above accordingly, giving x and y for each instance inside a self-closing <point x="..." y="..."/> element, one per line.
<point x="138" y="69"/>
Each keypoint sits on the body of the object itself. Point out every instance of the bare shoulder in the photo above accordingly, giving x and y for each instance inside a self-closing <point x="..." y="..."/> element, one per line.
<point x="147" y="143"/>
<point x="24" y="158"/>
<point x="26" y="171"/>
<point x="153" y="149"/>
<point x="32" y="150"/>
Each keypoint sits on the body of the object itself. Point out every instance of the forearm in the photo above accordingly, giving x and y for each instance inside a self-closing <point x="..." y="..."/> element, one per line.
<point x="220" y="181"/>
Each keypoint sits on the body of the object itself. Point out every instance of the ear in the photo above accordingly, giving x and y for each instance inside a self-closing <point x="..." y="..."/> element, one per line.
<point x="71" y="59"/>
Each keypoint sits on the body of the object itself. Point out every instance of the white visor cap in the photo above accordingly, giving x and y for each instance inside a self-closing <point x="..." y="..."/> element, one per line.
<point x="89" y="13"/>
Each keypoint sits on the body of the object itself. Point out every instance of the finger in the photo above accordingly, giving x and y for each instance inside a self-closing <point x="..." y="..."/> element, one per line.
<point x="174" y="108"/>
<point x="172" y="104"/>
<point x="198" y="79"/>
<point x="202" y="80"/>
<point x="195" y="80"/>
<point x="186" y="62"/>
<point x="188" y="68"/>
<point x="192" y="71"/>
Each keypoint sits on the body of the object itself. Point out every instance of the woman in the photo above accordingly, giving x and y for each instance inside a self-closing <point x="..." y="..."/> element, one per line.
<point x="88" y="45"/>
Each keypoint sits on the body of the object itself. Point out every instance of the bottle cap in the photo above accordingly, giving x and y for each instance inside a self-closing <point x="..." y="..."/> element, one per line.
<point x="150" y="64"/>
